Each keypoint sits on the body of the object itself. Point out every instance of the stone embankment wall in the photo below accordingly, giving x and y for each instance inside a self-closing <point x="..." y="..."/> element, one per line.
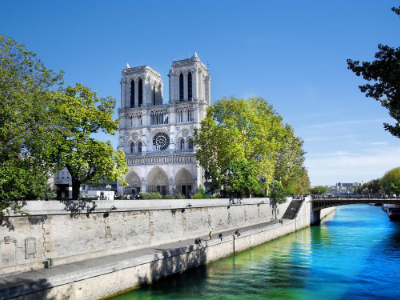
<point x="73" y="231"/>
<point x="111" y="279"/>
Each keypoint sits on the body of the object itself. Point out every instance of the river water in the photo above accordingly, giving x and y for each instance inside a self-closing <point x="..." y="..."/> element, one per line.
<point x="353" y="254"/>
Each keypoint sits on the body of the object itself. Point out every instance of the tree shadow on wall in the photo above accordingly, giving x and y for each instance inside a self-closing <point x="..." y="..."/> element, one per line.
<point x="173" y="261"/>
<point x="274" y="209"/>
<point x="77" y="207"/>
<point x="6" y="208"/>
<point x="41" y="288"/>
<point x="5" y="222"/>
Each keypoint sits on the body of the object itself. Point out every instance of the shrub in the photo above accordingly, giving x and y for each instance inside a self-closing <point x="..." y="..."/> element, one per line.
<point x="200" y="193"/>
<point x="179" y="195"/>
<point x="150" y="196"/>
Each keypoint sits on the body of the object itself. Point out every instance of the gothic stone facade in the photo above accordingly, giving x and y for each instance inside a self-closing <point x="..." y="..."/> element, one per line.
<point x="157" y="138"/>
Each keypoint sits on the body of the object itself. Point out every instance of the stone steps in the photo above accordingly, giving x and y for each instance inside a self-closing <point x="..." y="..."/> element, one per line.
<point x="292" y="209"/>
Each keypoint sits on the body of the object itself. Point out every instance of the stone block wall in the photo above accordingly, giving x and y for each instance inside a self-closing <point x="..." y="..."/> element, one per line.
<point x="54" y="231"/>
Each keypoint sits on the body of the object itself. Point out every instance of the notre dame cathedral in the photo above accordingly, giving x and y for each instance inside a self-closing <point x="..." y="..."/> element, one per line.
<point x="157" y="138"/>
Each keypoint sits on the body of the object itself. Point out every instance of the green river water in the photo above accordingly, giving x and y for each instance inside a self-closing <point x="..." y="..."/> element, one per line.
<point x="353" y="254"/>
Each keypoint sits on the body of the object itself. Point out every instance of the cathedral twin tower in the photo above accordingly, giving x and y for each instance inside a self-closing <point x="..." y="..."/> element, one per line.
<point x="157" y="138"/>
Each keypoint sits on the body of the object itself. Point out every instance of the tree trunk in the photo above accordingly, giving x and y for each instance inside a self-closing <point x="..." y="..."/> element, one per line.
<point x="76" y="185"/>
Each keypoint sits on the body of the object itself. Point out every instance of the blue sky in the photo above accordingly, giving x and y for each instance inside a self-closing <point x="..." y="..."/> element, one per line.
<point x="292" y="53"/>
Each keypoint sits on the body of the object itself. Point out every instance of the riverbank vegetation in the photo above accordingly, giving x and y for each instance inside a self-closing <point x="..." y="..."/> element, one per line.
<point x="45" y="126"/>
<point x="388" y="184"/>
<point x="247" y="150"/>
<point x="319" y="190"/>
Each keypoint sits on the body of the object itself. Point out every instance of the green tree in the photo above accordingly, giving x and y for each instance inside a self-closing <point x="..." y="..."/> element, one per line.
<point x="374" y="187"/>
<point x="26" y="137"/>
<point x="241" y="143"/>
<point x="385" y="71"/>
<point x="80" y="113"/>
<point x="301" y="184"/>
<point x="391" y="181"/>
<point x="289" y="165"/>
<point x="278" y="193"/>
<point x="319" y="190"/>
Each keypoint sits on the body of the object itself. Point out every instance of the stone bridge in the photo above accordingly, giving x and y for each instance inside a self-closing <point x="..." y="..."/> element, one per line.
<point x="318" y="204"/>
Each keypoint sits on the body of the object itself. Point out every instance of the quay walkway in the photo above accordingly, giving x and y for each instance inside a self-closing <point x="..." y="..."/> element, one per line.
<point x="14" y="285"/>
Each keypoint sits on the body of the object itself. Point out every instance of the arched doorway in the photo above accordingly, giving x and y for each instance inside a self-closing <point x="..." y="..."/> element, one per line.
<point x="157" y="180"/>
<point x="134" y="184"/>
<point x="184" y="182"/>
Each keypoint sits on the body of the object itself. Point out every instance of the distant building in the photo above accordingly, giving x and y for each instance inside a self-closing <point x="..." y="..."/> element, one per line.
<point x="343" y="186"/>
<point x="62" y="183"/>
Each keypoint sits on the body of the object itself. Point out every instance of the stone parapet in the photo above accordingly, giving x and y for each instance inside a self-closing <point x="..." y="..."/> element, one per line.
<point x="95" y="279"/>
<point x="70" y="231"/>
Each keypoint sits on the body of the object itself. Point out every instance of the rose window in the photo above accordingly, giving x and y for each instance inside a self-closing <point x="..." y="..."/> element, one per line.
<point x="161" y="141"/>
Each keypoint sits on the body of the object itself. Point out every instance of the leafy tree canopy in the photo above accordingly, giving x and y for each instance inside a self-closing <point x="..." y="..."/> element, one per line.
<point x="319" y="190"/>
<point x="374" y="187"/>
<point x="243" y="145"/>
<point x="385" y="72"/>
<point x="278" y="193"/>
<point x="25" y="125"/>
<point x="80" y="113"/>
<point x="391" y="181"/>
<point x="44" y="127"/>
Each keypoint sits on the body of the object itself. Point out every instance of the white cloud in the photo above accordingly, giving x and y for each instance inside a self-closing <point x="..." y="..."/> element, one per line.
<point x="327" y="138"/>
<point x="345" y="123"/>
<point x="351" y="167"/>
<point x="340" y="153"/>
<point x="379" y="143"/>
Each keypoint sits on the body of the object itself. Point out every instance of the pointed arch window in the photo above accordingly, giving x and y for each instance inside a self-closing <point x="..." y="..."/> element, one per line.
<point x="140" y="92"/>
<point x="132" y="147"/>
<point x="181" y="87"/>
<point x="190" y="144"/>
<point x="182" y="144"/>
<point x="139" y="147"/>
<point x="132" y="93"/>
<point x="154" y="95"/>
<point x="190" y="85"/>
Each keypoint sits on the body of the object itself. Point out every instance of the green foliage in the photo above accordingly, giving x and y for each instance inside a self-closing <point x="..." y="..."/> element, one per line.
<point x="289" y="165"/>
<point x="176" y="195"/>
<point x="243" y="145"/>
<point x="79" y="114"/>
<point x="150" y="195"/>
<point x="278" y="193"/>
<point x="385" y="71"/>
<point x="391" y="181"/>
<point x="372" y="187"/>
<point x="200" y="193"/>
<point x="25" y="124"/>
<point x="300" y="184"/>
<point x="319" y="190"/>
<point x="179" y="195"/>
